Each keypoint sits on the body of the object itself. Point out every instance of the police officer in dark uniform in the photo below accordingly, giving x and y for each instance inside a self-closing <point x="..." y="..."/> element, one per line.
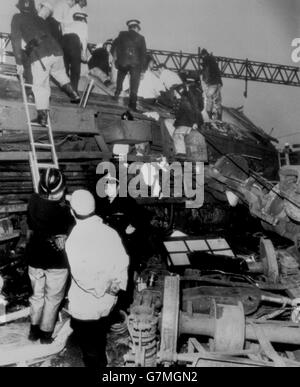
<point x="130" y="53"/>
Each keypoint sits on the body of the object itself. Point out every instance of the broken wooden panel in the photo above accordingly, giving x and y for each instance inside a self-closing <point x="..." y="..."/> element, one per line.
<point x="63" y="119"/>
<point x="128" y="132"/>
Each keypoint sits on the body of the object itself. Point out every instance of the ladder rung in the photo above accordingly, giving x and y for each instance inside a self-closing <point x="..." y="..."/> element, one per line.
<point x="38" y="125"/>
<point x="28" y="85"/>
<point x="45" y="166"/>
<point x="37" y="145"/>
<point x="30" y="104"/>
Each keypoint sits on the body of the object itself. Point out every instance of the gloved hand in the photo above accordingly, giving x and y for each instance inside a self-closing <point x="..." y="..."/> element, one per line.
<point x="58" y="242"/>
<point x="130" y="230"/>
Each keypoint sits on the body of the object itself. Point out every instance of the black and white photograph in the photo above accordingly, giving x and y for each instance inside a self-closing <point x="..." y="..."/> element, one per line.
<point x="149" y="186"/>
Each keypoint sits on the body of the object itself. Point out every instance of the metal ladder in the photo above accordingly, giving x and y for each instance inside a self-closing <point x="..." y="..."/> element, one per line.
<point x="37" y="165"/>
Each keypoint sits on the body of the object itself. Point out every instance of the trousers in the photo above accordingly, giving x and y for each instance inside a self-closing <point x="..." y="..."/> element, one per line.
<point x="99" y="74"/>
<point x="178" y="134"/>
<point x="72" y="57"/>
<point x="41" y="79"/>
<point x="49" y="288"/>
<point x="135" y="78"/>
<point x="91" y="337"/>
<point x="213" y="100"/>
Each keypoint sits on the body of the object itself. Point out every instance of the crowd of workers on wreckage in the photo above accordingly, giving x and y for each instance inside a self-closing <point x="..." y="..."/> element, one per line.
<point x="67" y="233"/>
<point x="52" y="41"/>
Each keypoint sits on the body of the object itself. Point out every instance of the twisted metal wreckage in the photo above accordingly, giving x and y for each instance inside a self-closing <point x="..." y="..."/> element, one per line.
<point x="241" y="312"/>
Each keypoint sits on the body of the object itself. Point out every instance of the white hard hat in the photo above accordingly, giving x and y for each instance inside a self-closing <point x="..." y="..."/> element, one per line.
<point x="83" y="203"/>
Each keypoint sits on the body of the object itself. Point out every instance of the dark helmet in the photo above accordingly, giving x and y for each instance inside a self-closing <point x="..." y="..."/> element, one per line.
<point x="26" y="6"/>
<point x="52" y="182"/>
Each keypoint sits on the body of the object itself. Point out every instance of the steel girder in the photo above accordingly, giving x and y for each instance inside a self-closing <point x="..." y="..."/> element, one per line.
<point x="233" y="68"/>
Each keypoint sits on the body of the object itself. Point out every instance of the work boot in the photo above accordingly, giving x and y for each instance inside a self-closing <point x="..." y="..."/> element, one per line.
<point x="133" y="103"/>
<point x="132" y="107"/>
<point x="34" y="333"/>
<point x="71" y="93"/>
<point x="46" y="337"/>
<point x="42" y="118"/>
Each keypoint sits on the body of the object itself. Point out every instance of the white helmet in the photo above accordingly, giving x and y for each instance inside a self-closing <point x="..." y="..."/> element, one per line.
<point x="83" y="203"/>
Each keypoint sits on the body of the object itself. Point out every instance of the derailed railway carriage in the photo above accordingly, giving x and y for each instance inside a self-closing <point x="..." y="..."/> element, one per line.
<point x="219" y="305"/>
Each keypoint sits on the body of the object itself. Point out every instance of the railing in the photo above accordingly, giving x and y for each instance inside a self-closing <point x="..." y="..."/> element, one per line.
<point x="232" y="68"/>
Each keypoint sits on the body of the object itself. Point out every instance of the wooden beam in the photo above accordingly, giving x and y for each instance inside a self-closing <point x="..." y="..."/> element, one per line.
<point x="12" y="208"/>
<point x="65" y="119"/>
<point x="23" y="156"/>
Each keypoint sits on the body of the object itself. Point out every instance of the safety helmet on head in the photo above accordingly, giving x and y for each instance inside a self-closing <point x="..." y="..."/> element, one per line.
<point x="26" y="6"/>
<point x="83" y="203"/>
<point x="52" y="182"/>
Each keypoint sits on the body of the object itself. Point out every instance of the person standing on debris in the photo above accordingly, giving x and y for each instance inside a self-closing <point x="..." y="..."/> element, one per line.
<point x="130" y="55"/>
<point x="100" y="63"/>
<point x="49" y="222"/>
<point x="45" y="57"/>
<point x="73" y="17"/>
<point x="213" y="84"/>
<point x="188" y="117"/>
<point x="99" y="264"/>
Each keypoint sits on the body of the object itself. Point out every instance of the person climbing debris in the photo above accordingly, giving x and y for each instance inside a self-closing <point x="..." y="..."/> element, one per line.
<point x="100" y="63"/>
<point x="73" y="17"/>
<point x="45" y="55"/>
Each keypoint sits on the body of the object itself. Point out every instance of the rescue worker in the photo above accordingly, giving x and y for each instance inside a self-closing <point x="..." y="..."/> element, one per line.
<point x="100" y="63"/>
<point x="132" y="222"/>
<point x="130" y="55"/>
<point x="99" y="264"/>
<point x="49" y="222"/>
<point x="212" y="85"/>
<point x="45" y="57"/>
<point x="188" y="117"/>
<point x="73" y="17"/>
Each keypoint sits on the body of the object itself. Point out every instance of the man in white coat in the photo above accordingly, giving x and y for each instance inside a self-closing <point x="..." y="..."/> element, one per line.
<point x="99" y="270"/>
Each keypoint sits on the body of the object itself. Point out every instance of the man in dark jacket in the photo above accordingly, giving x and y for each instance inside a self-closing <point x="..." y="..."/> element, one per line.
<point x="49" y="222"/>
<point x="45" y="55"/>
<point x="212" y="80"/>
<point x="130" y="54"/>
<point x="133" y="224"/>
<point x="188" y="116"/>
<point x="100" y="64"/>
